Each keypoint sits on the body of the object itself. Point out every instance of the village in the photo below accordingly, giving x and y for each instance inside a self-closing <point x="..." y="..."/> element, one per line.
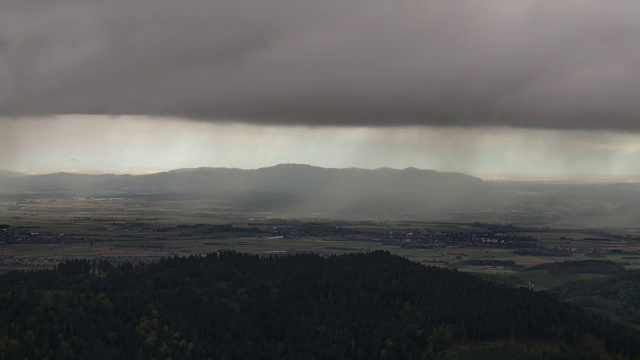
<point x="403" y="238"/>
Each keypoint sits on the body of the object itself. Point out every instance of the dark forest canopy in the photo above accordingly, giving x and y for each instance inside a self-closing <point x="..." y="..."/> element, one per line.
<point x="617" y="297"/>
<point x="239" y="306"/>
<point x="581" y="266"/>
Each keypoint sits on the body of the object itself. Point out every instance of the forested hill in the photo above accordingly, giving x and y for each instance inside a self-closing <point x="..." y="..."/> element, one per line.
<point x="616" y="296"/>
<point x="239" y="306"/>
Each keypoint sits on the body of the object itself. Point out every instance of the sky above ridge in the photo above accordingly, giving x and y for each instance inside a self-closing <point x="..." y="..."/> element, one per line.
<point x="533" y="88"/>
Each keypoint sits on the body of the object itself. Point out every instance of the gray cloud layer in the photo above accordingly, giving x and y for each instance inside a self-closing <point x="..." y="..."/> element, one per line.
<point x="545" y="64"/>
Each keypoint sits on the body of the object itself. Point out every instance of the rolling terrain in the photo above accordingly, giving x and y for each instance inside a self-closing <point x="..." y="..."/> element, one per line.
<point x="306" y="190"/>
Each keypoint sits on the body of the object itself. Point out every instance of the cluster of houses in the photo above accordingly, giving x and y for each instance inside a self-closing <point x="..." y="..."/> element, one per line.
<point x="412" y="238"/>
<point x="422" y="239"/>
<point x="126" y="226"/>
<point x="11" y="237"/>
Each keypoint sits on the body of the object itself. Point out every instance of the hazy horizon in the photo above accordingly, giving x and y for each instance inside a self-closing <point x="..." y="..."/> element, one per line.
<point x="526" y="90"/>
<point x="136" y="145"/>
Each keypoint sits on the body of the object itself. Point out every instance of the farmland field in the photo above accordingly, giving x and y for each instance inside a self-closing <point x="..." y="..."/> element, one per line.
<point x="44" y="231"/>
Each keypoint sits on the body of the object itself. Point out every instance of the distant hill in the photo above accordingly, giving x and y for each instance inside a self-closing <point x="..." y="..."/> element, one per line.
<point x="305" y="179"/>
<point x="309" y="190"/>
<point x="291" y="187"/>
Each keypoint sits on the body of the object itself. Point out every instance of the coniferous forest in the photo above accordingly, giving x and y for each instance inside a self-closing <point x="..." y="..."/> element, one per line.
<point x="239" y="306"/>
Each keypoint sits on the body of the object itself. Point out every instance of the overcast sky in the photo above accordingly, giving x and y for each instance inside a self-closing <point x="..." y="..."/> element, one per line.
<point x="514" y="87"/>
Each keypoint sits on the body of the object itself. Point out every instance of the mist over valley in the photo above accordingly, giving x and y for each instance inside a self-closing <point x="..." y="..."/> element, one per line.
<point x="309" y="191"/>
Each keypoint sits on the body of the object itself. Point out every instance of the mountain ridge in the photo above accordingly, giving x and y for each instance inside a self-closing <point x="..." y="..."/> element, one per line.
<point x="284" y="187"/>
<point x="297" y="189"/>
<point x="210" y="168"/>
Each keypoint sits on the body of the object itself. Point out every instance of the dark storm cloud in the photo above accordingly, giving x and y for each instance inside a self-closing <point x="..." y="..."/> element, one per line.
<point x="548" y="64"/>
